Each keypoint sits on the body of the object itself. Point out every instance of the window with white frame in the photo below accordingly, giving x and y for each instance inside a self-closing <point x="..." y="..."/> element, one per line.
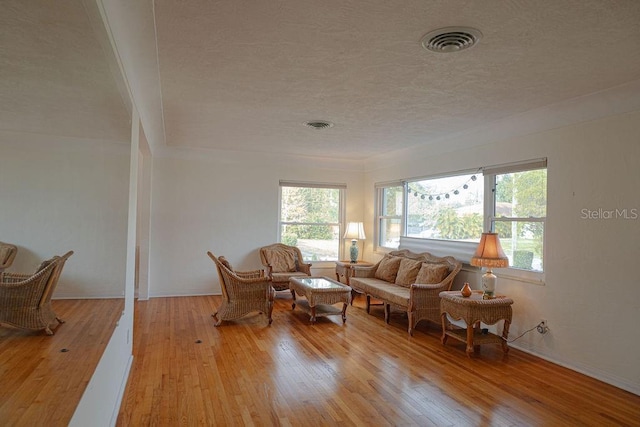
<point x="390" y="200"/>
<point x="451" y="212"/>
<point x="519" y="212"/>
<point x="446" y="208"/>
<point x="311" y="217"/>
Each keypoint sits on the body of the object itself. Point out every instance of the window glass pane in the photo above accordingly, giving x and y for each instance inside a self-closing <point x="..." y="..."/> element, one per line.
<point x="310" y="205"/>
<point x="316" y="242"/>
<point x="522" y="194"/>
<point x="522" y="243"/>
<point x="390" y="232"/>
<point x="309" y="219"/>
<point x="389" y="216"/>
<point x="448" y="208"/>
<point x="391" y="201"/>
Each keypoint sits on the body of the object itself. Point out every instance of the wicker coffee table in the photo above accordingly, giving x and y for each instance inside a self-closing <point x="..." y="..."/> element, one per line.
<point x="474" y="310"/>
<point x="320" y="293"/>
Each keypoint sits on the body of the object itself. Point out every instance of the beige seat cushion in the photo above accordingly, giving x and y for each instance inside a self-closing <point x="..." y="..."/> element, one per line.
<point x="388" y="268"/>
<point x="431" y="273"/>
<point x="408" y="272"/>
<point x="284" y="277"/>
<point x="389" y="292"/>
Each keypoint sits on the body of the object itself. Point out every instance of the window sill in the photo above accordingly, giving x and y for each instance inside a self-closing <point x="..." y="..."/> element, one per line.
<point x="533" y="277"/>
<point x="322" y="264"/>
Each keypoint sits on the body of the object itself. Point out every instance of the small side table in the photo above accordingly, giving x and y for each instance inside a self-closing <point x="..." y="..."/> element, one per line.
<point x="474" y="310"/>
<point x="344" y="269"/>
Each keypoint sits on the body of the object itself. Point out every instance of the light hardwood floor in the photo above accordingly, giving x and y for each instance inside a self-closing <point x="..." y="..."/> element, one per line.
<point x="292" y="373"/>
<point x="42" y="377"/>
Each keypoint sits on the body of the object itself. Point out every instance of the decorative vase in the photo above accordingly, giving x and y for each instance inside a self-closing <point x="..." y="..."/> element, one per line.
<point x="353" y="252"/>
<point x="466" y="290"/>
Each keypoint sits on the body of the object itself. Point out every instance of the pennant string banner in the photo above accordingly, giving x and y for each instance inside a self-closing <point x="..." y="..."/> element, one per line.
<point x="443" y="195"/>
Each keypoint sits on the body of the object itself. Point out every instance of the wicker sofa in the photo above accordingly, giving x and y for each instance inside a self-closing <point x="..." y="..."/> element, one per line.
<point x="408" y="281"/>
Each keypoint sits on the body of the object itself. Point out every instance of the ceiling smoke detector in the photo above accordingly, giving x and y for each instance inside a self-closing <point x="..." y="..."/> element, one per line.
<point x="319" y="124"/>
<point x="451" y="39"/>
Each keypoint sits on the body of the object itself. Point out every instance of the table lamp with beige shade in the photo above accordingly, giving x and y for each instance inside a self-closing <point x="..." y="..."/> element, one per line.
<point x="355" y="232"/>
<point x="489" y="254"/>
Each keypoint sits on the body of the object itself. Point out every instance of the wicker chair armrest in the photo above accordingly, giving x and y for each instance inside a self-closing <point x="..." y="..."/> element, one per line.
<point x="304" y="268"/>
<point x="250" y="274"/>
<point x="9" y="278"/>
<point x="16" y="280"/>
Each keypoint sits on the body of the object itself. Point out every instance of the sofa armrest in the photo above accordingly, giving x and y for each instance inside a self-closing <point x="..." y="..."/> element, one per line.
<point x="420" y="291"/>
<point x="364" y="271"/>
<point x="432" y="289"/>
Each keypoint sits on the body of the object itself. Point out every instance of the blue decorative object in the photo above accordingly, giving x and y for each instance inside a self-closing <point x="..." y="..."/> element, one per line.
<point x="353" y="251"/>
<point x="355" y="231"/>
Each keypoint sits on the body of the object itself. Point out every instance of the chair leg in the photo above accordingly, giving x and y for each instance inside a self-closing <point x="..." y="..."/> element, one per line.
<point x="59" y="320"/>
<point x="215" y="317"/>
<point x="387" y="313"/>
<point x="269" y="312"/>
<point x="368" y="303"/>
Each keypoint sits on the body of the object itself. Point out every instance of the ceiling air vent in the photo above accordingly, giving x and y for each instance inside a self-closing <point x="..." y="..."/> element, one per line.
<point x="319" y="124"/>
<point x="451" y="39"/>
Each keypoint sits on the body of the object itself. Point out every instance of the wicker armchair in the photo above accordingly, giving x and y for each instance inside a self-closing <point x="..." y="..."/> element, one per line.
<point x="282" y="263"/>
<point x="25" y="299"/>
<point x="7" y="255"/>
<point x="242" y="292"/>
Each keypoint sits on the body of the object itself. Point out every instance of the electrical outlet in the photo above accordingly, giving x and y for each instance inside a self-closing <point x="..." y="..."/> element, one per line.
<point x="542" y="327"/>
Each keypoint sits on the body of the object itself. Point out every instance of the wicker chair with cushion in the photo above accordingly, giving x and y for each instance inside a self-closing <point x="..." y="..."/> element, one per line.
<point x="25" y="299"/>
<point x="243" y="292"/>
<point x="283" y="262"/>
<point x="7" y="255"/>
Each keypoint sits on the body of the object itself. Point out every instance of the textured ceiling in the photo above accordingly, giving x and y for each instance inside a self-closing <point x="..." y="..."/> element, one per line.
<point x="55" y="77"/>
<point x="245" y="75"/>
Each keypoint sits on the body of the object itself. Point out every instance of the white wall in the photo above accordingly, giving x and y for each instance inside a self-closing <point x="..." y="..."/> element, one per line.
<point x="590" y="299"/>
<point x="226" y="203"/>
<point x="59" y="195"/>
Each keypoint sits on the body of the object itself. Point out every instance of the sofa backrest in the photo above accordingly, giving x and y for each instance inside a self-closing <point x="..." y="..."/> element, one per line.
<point x="453" y="264"/>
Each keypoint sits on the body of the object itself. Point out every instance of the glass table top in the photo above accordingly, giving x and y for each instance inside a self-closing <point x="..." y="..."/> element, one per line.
<point x="320" y="283"/>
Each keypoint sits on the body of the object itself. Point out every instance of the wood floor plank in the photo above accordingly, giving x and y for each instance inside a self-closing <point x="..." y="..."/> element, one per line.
<point x="364" y="372"/>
